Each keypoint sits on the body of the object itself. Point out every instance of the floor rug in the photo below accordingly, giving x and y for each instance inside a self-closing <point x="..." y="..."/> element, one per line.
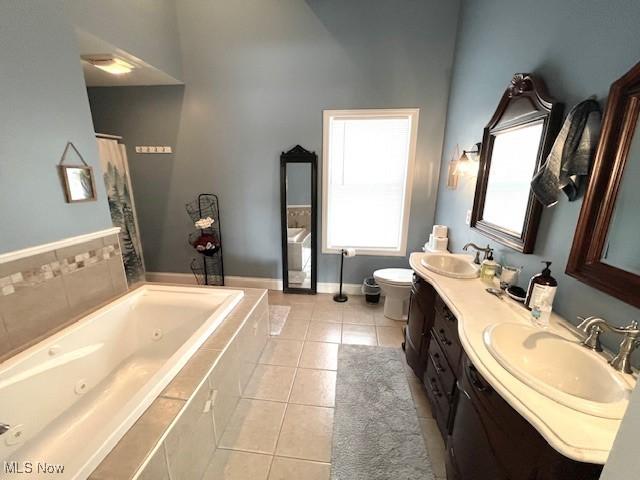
<point x="376" y="434"/>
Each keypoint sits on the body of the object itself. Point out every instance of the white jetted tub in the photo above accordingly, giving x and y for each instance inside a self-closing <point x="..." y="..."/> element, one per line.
<point x="69" y="399"/>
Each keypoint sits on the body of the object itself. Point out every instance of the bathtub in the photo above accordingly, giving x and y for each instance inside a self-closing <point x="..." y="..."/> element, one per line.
<point x="70" y="398"/>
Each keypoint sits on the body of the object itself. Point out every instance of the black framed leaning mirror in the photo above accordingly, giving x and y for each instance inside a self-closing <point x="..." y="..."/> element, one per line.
<point x="515" y="144"/>
<point x="298" y="210"/>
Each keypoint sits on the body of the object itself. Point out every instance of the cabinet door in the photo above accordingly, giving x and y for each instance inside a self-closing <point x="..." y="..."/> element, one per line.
<point x="414" y="336"/>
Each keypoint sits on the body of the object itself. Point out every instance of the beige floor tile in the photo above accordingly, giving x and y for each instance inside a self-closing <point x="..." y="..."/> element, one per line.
<point x="281" y="352"/>
<point x="234" y="465"/>
<point x="314" y="387"/>
<point x="435" y="445"/>
<point x="327" y="314"/>
<point x="294" y="329"/>
<point x="323" y="356"/>
<point x="390" y="336"/>
<point x="361" y="315"/>
<point x="359" y="334"/>
<point x="381" y="321"/>
<point x="306" y="433"/>
<point x="296" y="299"/>
<point x="293" y="469"/>
<point x="420" y="400"/>
<point x="254" y="426"/>
<point x="325" y="298"/>
<point x="324" y="332"/>
<point x="270" y="382"/>
<point x="301" y="311"/>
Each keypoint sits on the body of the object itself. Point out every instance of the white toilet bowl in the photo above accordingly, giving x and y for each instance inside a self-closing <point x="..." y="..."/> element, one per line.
<point x="395" y="284"/>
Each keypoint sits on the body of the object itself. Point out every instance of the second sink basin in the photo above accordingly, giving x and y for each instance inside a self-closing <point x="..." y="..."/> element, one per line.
<point x="559" y="369"/>
<point x="451" y="266"/>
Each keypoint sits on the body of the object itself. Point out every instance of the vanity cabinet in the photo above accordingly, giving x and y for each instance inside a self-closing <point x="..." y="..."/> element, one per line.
<point x="486" y="438"/>
<point x="489" y="440"/>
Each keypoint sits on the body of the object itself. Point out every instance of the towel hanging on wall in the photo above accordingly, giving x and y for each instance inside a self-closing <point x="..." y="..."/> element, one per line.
<point x="571" y="154"/>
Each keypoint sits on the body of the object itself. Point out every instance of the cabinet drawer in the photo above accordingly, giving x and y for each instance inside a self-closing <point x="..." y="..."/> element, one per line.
<point x="438" y="399"/>
<point x="446" y="376"/>
<point x="449" y="342"/>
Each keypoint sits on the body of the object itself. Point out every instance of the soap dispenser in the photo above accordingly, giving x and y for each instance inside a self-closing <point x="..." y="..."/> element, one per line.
<point x="488" y="268"/>
<point x="540" y="295"/>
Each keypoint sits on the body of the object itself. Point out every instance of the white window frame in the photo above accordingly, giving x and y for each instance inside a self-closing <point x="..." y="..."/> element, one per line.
<point x="413" y="114"/>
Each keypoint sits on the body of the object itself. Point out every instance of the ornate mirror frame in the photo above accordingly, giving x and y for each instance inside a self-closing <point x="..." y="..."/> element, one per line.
<point x="618" y="126"/>
<point x="523" y="103"/>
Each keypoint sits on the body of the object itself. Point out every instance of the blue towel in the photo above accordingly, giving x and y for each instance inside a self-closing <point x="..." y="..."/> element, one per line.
<point x="571" y="154"/>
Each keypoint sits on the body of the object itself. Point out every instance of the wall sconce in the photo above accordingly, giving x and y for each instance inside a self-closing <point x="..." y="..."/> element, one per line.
<point x="467" y="164"/>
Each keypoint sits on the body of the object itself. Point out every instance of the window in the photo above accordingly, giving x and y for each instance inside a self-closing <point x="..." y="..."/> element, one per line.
<point x="368" y="158"/>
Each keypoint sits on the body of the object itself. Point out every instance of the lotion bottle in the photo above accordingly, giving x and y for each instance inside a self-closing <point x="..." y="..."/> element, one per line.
<point x="540" y="294"/>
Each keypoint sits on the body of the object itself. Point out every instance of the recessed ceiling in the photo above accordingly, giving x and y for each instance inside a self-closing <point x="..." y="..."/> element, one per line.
<point x="142" y="73"/>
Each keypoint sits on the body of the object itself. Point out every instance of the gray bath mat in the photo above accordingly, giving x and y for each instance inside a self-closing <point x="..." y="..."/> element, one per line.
<point x="376" y="434"/>
<point x="277" y="318"/>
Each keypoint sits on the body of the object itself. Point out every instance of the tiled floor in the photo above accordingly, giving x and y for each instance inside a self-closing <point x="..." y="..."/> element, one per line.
<point x="282" y="428"/>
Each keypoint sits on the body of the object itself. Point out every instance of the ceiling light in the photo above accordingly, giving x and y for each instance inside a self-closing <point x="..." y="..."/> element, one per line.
<point x="114" y="66"/>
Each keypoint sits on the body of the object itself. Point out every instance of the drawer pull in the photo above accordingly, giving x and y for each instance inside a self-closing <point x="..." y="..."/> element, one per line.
<point x="443" y="337"/>
<point x="436" y="363"/>
<point x="434" y="387"/>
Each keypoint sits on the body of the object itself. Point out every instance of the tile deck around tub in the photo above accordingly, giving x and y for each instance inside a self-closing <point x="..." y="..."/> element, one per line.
<point x="300" y="376"/>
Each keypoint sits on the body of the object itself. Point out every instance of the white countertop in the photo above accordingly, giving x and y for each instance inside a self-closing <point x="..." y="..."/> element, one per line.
<point x="576" y="435"/>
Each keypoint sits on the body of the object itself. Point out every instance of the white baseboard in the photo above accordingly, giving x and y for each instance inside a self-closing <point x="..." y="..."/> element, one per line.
<point x="250" y="282"/>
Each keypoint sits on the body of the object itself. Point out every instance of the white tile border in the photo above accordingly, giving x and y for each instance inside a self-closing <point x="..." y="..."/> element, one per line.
<point x="65" y="242"/>
<point x="250" y="282"/>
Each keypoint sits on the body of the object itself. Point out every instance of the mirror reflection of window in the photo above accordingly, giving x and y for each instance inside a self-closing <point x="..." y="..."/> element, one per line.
<point x="622" y="249"/>
<point x="513" y="163"/>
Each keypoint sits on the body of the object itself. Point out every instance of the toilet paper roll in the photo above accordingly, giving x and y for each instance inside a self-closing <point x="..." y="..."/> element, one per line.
<point x="349" y="252"/>
<point x="439" y="231"/>
<point x="440" y="243"/>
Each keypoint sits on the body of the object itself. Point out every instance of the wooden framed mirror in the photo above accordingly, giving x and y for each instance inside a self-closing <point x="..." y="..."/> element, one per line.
<point x="515" y="143"/>
<point x="299" y="218"/>
<point x="605" y="253"/>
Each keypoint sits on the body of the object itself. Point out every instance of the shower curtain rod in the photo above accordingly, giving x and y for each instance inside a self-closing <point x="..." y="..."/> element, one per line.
<point x="105" y="135"/>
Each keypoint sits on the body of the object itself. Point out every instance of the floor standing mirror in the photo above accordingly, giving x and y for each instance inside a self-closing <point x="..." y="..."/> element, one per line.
<point x="298" y="200"/>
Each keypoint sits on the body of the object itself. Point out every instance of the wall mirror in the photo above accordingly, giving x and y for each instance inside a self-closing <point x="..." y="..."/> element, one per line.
<point x="605" y="252"/>
<point x="298" y="196"/>
<point x="515" y="143"/>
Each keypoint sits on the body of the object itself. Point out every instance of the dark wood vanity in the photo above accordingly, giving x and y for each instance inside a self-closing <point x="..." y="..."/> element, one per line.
<point x="486" y="439"/>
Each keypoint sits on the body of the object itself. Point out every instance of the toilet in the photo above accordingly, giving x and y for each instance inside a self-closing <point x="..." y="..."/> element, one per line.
<point x="395" y="284"/>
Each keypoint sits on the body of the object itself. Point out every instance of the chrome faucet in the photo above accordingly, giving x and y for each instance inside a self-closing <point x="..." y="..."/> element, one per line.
<point x="594" y="326"/>
<point x="478" y="249"/>
<point x="4" y="428"/>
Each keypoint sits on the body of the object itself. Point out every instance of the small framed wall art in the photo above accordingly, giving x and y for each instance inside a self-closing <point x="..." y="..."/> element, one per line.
<point x="78" y="180"/>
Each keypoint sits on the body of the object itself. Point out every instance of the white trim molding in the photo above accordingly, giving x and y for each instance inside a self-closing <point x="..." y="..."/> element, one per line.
<point x="414" y="115"/>
<point x="250" y="282"/>
<point x="47" y="247"/>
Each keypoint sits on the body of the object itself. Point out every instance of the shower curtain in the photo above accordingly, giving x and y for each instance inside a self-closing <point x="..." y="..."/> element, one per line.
<point x="115" y="169"/>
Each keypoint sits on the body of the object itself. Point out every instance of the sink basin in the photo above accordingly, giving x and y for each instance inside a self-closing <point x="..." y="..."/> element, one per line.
<point x="559" y="369"/>
<point x="451" y="266"/>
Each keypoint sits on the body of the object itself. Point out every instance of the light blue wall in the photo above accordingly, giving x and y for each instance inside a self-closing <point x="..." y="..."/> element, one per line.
<point x="579" y="48"/>
<point x="258" y="74"/>
<point x="44" y="105"/>
<point x="147" y="29"/>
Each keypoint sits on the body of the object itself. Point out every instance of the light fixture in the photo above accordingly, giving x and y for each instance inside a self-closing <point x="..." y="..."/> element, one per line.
<point x="112" y="65"/>
<point x="467" y="164"/>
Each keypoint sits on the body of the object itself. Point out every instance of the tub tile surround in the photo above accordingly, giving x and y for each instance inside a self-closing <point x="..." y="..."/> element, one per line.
<point x="277" y="426"/>
<point x="203" y="397"/>
<point x="64" y="284"/>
